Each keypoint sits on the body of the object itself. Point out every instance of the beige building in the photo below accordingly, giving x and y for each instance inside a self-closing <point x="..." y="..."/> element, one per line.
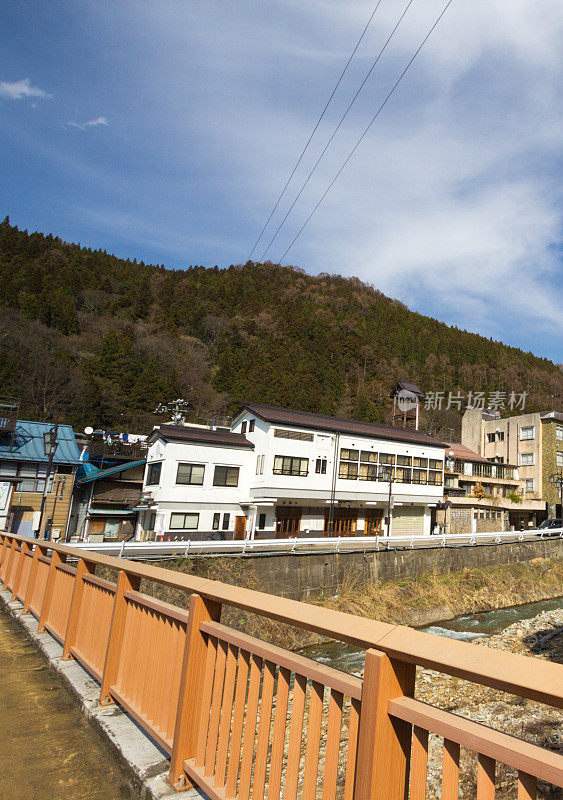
<point x="481" y="495"/>
<point x="533" y="442"/>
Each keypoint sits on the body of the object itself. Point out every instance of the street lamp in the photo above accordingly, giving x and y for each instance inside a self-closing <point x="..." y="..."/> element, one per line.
<point x="387" y="474"/>
<point x="50" y="444"/>
<point x="557" y="479"/>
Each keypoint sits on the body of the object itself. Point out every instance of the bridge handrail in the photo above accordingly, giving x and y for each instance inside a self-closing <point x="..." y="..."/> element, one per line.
<point x="311" y="544"/>
<point x="106" y="625"/>
<point x="505" y="671"/>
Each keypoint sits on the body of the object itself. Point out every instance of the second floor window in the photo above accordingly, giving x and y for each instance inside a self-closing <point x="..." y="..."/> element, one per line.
<point x="226" y="476"/>
<point x="190" y="474"/>
<point x="529" y="484"/>
<point x="153" y="474"/>
<point x="348" y="471"/>
<point x="291" y="465"/>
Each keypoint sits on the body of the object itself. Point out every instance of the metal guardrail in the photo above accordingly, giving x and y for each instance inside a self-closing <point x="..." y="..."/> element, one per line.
<point x="344" y="544"/>
<point x="235" y="713"/>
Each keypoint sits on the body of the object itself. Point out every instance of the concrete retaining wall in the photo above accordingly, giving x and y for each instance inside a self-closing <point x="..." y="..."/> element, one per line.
<point x="302" y="576"/>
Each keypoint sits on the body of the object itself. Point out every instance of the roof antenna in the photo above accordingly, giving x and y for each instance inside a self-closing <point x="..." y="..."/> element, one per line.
<point x="177" y="408"/>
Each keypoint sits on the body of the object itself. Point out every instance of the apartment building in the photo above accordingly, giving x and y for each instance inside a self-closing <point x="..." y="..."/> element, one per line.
<point x="480" y="495"/>
<point x="283" y="473"/>
<point x="533" y="442"/>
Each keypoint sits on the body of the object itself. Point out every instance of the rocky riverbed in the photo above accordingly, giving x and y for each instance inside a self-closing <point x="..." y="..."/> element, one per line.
<point x="541" y="637"/>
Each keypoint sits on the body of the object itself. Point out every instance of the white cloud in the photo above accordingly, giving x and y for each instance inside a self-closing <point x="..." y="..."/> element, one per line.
<point x="92" y="123"/>
<point x="20" y="89"/>
<point x="452" y="201"/>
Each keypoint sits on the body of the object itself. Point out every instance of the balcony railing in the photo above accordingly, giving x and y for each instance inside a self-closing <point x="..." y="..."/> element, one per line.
<point x="117" y="450"/>
<point x="8" y="415"/>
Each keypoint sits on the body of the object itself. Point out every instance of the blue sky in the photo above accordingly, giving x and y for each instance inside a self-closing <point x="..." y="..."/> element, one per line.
<point x="165" y="131"/>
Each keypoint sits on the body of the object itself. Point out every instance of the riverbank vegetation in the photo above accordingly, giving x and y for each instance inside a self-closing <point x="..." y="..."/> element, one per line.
<point x="415" y="601"/>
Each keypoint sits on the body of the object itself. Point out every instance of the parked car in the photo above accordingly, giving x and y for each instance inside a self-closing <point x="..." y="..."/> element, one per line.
<point x="551" y="526"/>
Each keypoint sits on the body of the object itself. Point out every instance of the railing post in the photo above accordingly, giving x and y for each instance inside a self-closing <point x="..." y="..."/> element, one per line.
<point x="24" y="549"/>
<point x="32" y="576"/>
<point x="83" y="568"/>
<point x="9" y="556"/>
<point x="4" y="548"/>
<point x="384" y="743"/>
<point x="188" y="713"/>
<point x="56" y="558"/>
<point x="125" y="583"/>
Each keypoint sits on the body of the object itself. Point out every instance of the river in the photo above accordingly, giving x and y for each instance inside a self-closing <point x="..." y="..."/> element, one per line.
<point x="465" y="627"/>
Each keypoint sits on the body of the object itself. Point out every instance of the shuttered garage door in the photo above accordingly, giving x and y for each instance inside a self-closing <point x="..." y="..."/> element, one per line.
<point x="409" y="519"/>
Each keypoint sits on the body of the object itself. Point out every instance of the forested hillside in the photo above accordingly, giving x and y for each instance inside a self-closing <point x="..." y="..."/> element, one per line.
<point x="100" y="340"/>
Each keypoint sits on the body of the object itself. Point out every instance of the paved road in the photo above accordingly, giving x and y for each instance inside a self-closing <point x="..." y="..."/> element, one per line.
<point x="47" y="749"/>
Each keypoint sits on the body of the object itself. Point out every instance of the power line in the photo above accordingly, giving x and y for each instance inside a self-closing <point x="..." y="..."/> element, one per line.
<point x="364" y="134"/>
<point x="343" y="117"/>
<point x="338" y="82"/>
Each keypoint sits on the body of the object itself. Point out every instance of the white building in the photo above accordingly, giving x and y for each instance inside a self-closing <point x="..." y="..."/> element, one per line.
<point x="281" y="473"/>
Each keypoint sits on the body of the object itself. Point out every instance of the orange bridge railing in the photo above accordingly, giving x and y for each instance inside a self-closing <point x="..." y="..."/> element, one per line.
<point x="242" y="718"/>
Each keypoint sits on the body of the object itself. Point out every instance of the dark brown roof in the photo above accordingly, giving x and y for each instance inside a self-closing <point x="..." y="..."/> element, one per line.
<point x="185" y="433"/>
<point x="306" y="419"/>
<point x="407" y="386"/>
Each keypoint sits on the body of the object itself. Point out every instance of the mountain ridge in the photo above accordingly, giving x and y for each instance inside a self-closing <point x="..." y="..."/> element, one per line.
<point x="95" y="338"/>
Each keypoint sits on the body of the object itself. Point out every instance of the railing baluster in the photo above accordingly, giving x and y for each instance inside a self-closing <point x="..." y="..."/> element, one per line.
<point x="450" y="770"/>
<point x="295" y="736"/>
<point x="485" y="778"/>
<point x="190" y="697"/>
<point x="226" y="716"/>
<point x="332" y="751"/>
<point x="207" y="692"/>
<point x="419" y="763"/>
<point x="215" y="712"/>
<point x="238" y="719"/>
<point x="125" y="583"/>
<point x="278" y="741"/>
<point x="353" y="729"/>
<point x="56" y="558"/>
<point x="83" y="568"/>
<point x="261" y="762"/>
<point x="313" y="741"/>
<point x="383" y="744"/>
<point x="3" y="550"/>
<point x="9" y="560"/>
<point x="250" y="728"/>
<point x="37" y="552"/>
<point x="24" y="548"/>
<point x="527" y="786"/>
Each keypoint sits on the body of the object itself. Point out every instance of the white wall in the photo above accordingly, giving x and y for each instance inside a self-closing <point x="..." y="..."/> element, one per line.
<point x="311" y="492"/>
